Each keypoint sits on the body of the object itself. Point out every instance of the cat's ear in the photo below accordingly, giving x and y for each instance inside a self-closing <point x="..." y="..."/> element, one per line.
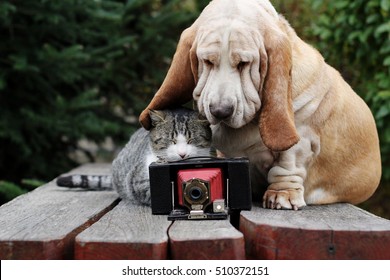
<point x="157" y="117"/>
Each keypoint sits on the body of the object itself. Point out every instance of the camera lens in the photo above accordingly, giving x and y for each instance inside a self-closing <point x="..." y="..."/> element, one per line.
<point x="195" y="193"/>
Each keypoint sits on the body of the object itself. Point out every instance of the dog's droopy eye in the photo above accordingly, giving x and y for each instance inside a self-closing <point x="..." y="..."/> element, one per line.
<point x="241" y="65"/>
<point x="208" y="62"/>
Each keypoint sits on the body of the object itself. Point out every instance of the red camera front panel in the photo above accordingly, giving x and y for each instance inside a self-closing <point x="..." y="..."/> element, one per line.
<point x="212" y="175"/>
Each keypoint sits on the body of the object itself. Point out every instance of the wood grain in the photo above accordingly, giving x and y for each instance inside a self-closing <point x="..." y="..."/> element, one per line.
<point x="42" y="224"/>
<point x="59" y="223"/>
<point x="338" y="231"/>
<point x="127" y="232"/>
<point x="206" y="239"/>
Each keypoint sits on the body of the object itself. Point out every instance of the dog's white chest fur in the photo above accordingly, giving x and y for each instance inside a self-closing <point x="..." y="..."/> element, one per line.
<point x="244" y="142"/>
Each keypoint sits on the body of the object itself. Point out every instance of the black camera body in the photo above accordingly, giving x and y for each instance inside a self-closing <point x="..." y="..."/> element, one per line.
<point x="200" y="188"/>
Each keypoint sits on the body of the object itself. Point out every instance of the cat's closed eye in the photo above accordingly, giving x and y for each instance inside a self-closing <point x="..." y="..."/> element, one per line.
<point x="205" y="137"/>
<point x="157" y="140"/>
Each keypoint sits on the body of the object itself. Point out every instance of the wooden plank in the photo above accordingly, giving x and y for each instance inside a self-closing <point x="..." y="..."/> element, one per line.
<point x="127" y="232"/>
<point x="205" y="240"/>
<point x="338" y="231"/>
<point x="42" y="224"/>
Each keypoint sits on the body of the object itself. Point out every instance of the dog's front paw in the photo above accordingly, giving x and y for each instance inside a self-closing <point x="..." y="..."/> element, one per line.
<point x="284" y="196"/>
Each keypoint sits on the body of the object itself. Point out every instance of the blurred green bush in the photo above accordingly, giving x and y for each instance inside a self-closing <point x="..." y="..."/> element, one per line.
<point x="77" y="69"/>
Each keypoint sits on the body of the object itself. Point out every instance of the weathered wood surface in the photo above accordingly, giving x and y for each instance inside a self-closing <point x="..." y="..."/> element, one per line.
<point x="42" y="224"/>
<point x="192" y="240"/>
<point x="61" y="223"/>
<point x="339" y="231"/>
<point x="126" y="232"/>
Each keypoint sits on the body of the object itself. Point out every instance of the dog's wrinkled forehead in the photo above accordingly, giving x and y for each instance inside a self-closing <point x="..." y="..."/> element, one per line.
<point x="237" y="38"/>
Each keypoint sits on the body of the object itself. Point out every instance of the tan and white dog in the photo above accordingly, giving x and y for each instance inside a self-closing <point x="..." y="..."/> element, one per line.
<point x="271" y="97"/>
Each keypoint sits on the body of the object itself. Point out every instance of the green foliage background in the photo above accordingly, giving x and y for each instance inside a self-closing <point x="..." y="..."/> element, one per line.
<point x="83" y="69"/>
<point x="77" y="69"/>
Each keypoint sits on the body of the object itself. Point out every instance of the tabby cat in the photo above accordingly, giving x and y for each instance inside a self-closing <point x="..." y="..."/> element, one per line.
<point x="175" y="135"/>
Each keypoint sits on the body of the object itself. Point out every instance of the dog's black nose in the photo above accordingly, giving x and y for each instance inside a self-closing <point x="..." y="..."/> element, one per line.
<point x="221" y="112"/>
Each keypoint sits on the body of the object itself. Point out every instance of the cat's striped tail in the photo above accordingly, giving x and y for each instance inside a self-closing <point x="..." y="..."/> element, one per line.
<point x="91" y="182"/>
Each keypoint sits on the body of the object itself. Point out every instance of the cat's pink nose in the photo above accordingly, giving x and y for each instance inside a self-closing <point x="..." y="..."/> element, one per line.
<point x="182" y="155"/>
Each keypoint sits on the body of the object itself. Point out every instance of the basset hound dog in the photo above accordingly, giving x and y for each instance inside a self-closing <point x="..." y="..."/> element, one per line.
<point x="271" y="97"/>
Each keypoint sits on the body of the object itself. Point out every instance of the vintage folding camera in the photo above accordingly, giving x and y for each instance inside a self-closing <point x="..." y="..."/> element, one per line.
<point x="200" y="188"/>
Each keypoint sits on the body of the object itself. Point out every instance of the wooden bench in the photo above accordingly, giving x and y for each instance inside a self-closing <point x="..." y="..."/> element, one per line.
<point x="60" y="223"/>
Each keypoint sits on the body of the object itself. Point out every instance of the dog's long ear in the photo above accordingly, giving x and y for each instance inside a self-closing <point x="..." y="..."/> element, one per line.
<point x="277" y="128"/>
<point x="179" y="82"/>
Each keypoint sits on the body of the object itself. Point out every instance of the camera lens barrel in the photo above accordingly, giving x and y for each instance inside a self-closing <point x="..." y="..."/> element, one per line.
<point x="196" y="191"/>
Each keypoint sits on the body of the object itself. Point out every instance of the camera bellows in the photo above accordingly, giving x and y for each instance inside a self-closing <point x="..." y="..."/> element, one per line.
<point x="197" y="188"/>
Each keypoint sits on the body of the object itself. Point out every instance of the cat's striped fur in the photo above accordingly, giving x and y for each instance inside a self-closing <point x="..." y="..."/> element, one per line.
<point x="175" y="135"/>
<point x="93" y="182"/>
